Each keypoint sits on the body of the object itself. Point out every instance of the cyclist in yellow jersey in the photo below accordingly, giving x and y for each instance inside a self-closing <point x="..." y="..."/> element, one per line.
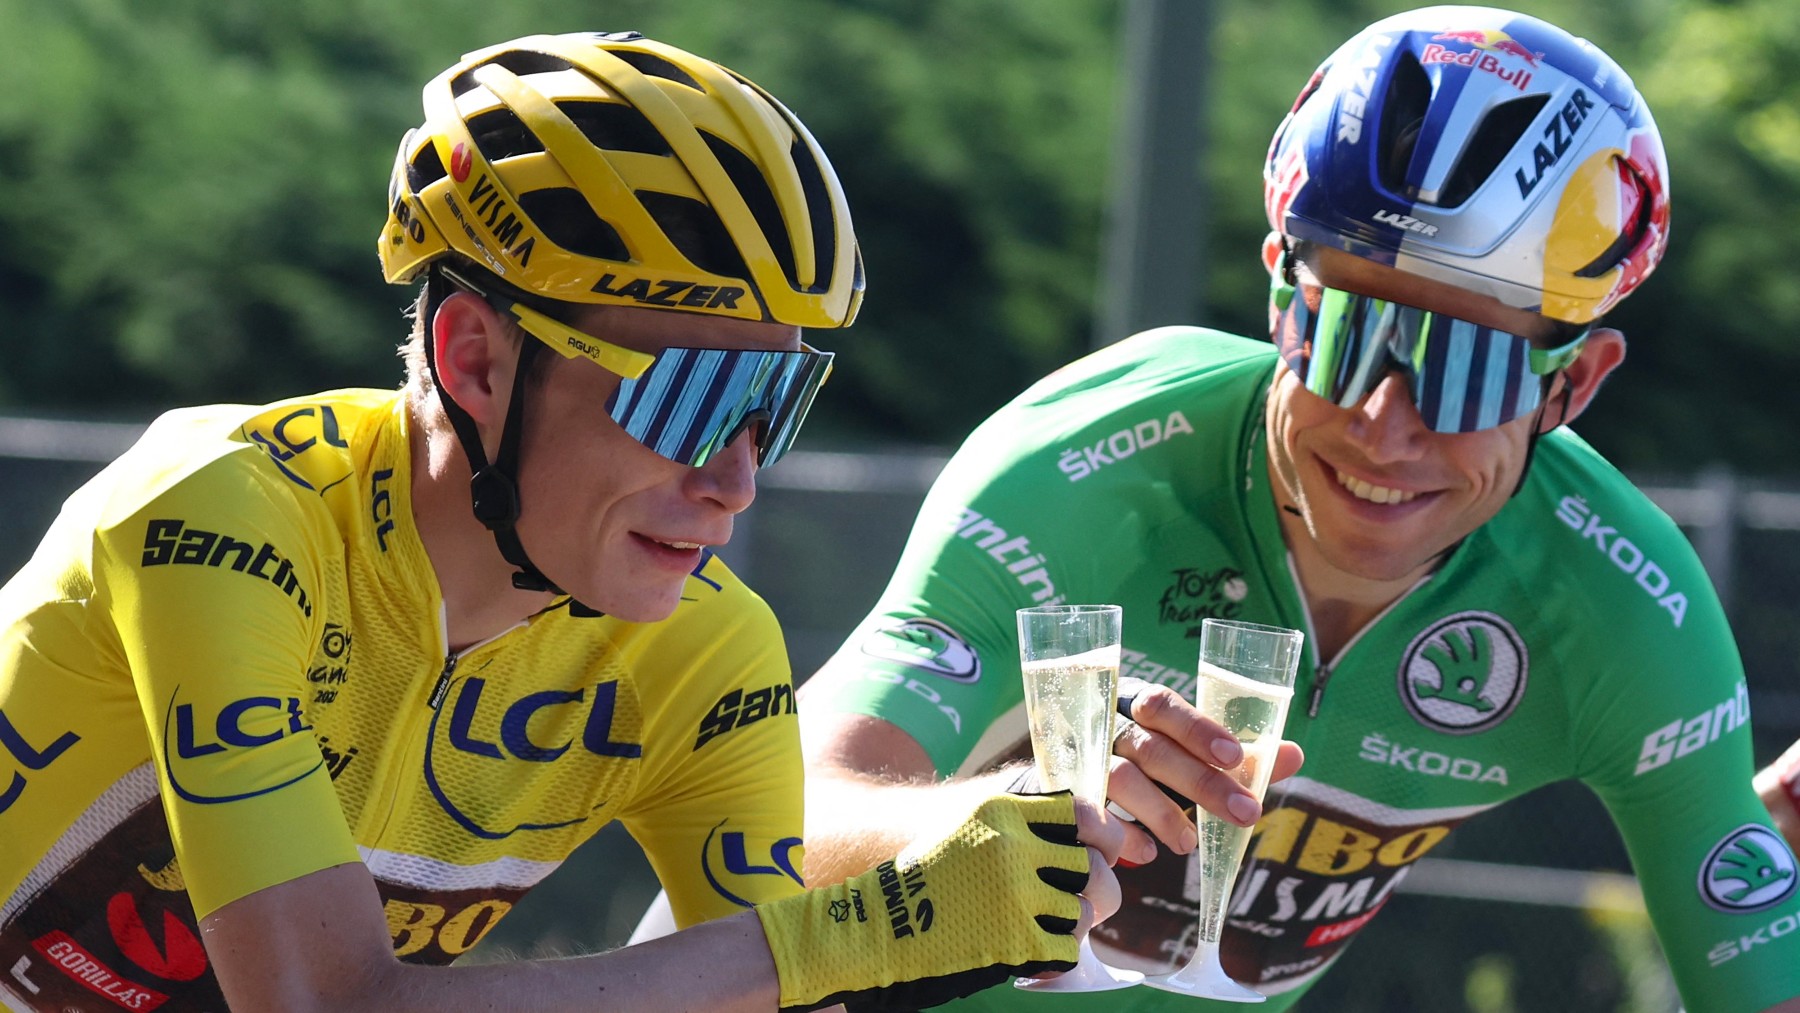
<point x="296" y="697"/>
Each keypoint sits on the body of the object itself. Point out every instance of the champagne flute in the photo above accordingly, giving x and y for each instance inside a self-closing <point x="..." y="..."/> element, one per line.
<point x="1246" y="679"/>
<point x="1069" y="655"/>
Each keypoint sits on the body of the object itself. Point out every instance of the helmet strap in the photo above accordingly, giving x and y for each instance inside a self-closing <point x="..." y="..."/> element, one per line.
<point x="493" y="488"/>
<point x="1531" y="442"/>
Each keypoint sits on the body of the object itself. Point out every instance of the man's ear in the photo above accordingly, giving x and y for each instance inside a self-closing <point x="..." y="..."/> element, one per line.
<point x="1577" y="385"/>
<point x="475" y="356"/>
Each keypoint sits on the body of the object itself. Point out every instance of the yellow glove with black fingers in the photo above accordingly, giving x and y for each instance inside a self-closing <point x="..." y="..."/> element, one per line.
<point x="997" y="898"/>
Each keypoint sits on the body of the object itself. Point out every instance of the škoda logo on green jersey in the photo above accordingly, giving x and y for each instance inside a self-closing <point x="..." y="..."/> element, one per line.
<point x="1465" y="674"/>
<point x="1751" y="869"/>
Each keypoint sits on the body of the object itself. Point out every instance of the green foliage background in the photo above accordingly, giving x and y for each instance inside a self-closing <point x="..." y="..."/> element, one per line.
<point x="192" y="192"/>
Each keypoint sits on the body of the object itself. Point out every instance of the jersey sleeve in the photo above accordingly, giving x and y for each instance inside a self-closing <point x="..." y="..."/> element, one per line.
<point x="722" y="816"/>
<point x="1665" y="742"/>
<point x="938" y="655"/>
<point x="210" y="589"/>
<point x="1006" y="526"/>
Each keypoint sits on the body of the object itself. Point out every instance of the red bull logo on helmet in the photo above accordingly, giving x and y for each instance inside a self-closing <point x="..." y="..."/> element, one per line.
<point x="1487" y="49"/>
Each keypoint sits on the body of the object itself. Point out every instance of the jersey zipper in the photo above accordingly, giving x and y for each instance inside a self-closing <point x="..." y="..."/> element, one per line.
<point x="440" y="691"/>
<point x="1320" y="677"/>
<point x="1322" y="672"/>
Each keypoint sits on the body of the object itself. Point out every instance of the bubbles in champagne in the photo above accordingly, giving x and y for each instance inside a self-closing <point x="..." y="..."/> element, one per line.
<point x="1255" y="712"/>
<point x="1069" y="704"/>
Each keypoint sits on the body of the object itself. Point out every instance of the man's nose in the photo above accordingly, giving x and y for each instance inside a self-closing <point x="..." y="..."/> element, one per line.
<point x="1386" y="423"/>
<point x="728" y="478"/>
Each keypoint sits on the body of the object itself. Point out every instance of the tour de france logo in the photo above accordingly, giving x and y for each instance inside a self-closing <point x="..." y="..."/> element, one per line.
<point x="1751" y="869"/>
<point x="1464" y="674"/>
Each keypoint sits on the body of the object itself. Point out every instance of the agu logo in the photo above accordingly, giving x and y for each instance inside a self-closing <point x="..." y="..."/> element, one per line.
<point x="925" y="644"/>
<point x="1750" y="870"/>
<point x="745" y="875"/>
<point x="1465" y="674"/>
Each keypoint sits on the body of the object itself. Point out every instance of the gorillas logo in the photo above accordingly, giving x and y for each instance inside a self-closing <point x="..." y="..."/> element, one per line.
<point x="1750" y="870"/>
<point x="926" y="644"/>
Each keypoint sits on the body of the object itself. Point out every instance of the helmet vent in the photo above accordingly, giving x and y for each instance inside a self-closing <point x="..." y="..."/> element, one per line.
<point x="519" y="61"/>
<point x="818" y="210"/>
<point x="614" y="126"/>
<point x="651" y="65"/>
<point x="425" y="169"/>
<point x="696" y="231"/>
<point x="499" y="133"/>
<point x="749" y="181"/>
<point x="1498" y="134"/>
<point x="568" y="221"/>
<point x="1402" y="117"/>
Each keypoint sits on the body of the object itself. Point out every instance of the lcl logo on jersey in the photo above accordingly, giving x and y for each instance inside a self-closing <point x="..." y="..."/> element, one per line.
<point x="592" y="735"/>
<point x="1465" y="674"/>
<point x="211" y="741"/>
<point x="747" y="874"/>
<point x="1751" y="869"/>
<point x="926" y="644"/>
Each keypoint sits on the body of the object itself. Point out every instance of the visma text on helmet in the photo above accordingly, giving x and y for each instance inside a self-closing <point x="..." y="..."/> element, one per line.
<point x="485" y="203"/>
<point x="1080" y="462"/>
<point x="1574" y="511"/>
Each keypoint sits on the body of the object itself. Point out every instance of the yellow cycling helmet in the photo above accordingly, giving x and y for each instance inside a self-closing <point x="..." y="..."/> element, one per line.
<point x="613" y="169"/>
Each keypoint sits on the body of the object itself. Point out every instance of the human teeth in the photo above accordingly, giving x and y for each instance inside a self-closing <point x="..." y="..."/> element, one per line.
<point x="682" y="545"/>
<point x="1374" y="493"/>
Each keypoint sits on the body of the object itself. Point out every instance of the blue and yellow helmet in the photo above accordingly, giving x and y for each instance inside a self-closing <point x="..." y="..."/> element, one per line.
<point x="1482" y="148"/>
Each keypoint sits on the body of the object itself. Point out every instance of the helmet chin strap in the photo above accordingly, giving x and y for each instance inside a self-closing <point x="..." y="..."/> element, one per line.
<point x="493" y="488"/>
<point x="1537" y="422"/>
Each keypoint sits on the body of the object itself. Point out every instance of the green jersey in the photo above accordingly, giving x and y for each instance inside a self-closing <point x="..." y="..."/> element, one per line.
<point x="1574" y="635"/>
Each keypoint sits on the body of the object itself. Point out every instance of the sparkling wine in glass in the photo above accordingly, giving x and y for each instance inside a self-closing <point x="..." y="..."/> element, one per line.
<point x="1246" y="679"/>
<point x="1069" y="655"/>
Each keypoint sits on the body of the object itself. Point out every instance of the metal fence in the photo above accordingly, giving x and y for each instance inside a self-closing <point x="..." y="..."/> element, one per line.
<point x="1537" y="920"/>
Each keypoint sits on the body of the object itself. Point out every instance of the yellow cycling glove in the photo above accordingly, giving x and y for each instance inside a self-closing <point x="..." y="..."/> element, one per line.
<point x="999" y="897"/>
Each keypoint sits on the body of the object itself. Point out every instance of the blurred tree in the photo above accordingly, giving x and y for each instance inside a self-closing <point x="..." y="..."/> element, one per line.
<point x="194" y="191"/>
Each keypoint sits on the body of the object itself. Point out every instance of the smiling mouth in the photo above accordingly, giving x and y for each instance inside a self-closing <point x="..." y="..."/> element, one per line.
<point x="1374" y="493"/>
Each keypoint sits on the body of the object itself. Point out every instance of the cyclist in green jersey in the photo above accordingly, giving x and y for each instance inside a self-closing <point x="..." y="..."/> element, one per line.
<point x="297" y="698"/>
<point x="1456" y="198"/>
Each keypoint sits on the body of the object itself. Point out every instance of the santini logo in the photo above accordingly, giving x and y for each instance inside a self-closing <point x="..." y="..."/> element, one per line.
<point x="1026" y="566"/>
<point x="169" y="542"/>
<point x="1679" y="738"/>
<point x="738" y="708"/>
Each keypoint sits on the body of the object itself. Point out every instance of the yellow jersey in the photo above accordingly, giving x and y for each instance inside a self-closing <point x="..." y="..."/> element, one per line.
<point x="226" y="667"/>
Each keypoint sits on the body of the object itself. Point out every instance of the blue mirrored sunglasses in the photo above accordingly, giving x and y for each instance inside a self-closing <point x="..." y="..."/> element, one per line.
<point x="688" y="404"/>
<point x="1463" y="377"/>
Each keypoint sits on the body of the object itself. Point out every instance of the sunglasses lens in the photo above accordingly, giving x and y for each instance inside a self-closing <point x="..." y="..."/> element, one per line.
<point x="1463" y="377"/>
<point x="694" y="402"/>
